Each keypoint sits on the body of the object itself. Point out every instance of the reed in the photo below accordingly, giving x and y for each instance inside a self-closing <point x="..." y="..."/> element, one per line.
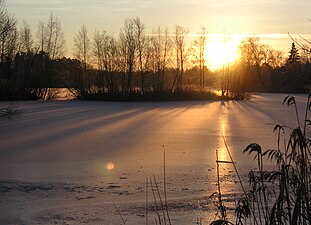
<point x="288" y="186"/>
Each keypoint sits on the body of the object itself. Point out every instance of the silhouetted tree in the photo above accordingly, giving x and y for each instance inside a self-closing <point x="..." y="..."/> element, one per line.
<point x="293" y="57"/>
<point x="25" y="38"/>
<point x="50" y="37"/>
<point x="161" y="45"/>
<point x="253" y="57"/>
<point x="181" y="56"/>
<point x="8" y="49"/>
<point x="128" y="49"/>
<point x="141" y="44"/>
<point x="7" y="33"/>
<point x="134" y="62"/>
<point x="300" y="65"/>
<point x="199" y="47"/>
<point x="106" y="53"/>
<point x="83" y="52"/>
<point x="55" y="38"/>
<point x="273" y="61"/>
<point x="51" y="42"/>
<point x="101" y="54"/>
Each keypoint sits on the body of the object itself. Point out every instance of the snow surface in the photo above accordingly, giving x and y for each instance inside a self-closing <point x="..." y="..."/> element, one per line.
<point x="54" y="158"/>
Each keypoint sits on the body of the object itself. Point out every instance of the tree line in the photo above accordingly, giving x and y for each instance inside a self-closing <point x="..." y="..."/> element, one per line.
<point x="28" y="63"/>
<point x="135" y="63"/>
<point x="262" y="68"/>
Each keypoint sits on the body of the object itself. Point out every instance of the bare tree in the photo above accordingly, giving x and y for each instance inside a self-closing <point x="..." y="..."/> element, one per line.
<point x="7" y="28"/>
<point x="83" y="52"/>
<point x="161" y="49"/>
<point x="181" y="56"/>
<point x="26" y="39"/>
<point x="8" y="49"/>
<point x="55" y="38"/>
<point x="11" y="49"/>
<point x="25" y="64"/>
<point x="273" y="58"/>
<point x="149" y="62"/>
<point x="260" y="62"/>
<point x="252" y="55"/>
<point x="51" y="42"/>
<point x="141" y="43"/>
<point x="305" y="54"/>
<point x="98" y="48"/>
<point x="41" y="36"/>
<point x="50" y="37"/>
<point x="128" y="48"/>
<point x="82" y="46"/>
<point x="199" y="48"/>
<point x="113" y="63"/>
<point x="105" y="50"/>
<point x="7" y="22"/>
<point x="99" y="40"/>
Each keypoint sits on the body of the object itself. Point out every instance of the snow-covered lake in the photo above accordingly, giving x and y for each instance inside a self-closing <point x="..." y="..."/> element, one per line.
<point x="71" y="161"/>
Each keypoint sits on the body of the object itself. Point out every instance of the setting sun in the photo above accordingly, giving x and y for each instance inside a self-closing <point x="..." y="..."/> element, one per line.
<point x="221" y="50"/>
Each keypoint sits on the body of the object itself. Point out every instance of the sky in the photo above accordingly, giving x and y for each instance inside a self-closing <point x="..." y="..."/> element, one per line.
<point x="271" y="20"/>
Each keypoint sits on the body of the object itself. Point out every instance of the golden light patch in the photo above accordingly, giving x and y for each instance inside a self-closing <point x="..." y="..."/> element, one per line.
<point x="110" y="166"/>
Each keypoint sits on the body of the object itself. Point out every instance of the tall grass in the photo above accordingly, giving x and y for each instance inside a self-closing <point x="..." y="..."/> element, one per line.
<point x="283" y="195"/>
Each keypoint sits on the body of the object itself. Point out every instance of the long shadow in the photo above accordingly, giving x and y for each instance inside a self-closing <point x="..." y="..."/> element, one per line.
<point x="71" y="129"/>
<point x="275" y="110"/>
<point x="89" y="125"/>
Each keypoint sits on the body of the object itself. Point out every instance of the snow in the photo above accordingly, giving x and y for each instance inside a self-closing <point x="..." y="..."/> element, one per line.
<point x="70" y="161"/>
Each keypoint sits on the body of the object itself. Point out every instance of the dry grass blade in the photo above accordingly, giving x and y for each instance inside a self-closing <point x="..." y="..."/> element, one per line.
<point x="221" y="222"/>
<point x="164" y="187"/>
<point x="118" y="211"/>
<point x="147" y="203"/>
<point x="239" y="177"/>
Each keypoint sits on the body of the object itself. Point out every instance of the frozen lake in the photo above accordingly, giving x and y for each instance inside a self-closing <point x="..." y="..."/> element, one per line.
<point x="70" y="161"/>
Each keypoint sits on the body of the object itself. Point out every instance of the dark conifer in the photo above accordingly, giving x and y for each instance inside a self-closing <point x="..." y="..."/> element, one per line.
<point x="293" y="55"/>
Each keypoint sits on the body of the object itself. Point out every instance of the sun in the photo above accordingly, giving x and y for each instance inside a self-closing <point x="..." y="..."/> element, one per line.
<point x="221" y="51"/>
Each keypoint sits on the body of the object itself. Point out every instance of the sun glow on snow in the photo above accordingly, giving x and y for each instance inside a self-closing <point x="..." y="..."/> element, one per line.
<point x="221" y="50"/>
<point x="222" y="151"/>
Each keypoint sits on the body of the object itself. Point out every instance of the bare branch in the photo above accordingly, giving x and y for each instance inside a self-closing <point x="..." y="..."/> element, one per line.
<point x="297" y="43"/>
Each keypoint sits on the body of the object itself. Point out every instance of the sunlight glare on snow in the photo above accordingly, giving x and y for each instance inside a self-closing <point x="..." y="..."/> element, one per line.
<point x="222" y="151"/>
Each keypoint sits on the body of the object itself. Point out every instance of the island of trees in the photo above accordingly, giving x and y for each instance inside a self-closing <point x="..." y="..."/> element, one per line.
<point x="137" y="65"/>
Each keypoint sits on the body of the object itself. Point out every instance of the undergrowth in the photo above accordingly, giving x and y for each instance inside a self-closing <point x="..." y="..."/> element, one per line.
<point x="181" y="95"/>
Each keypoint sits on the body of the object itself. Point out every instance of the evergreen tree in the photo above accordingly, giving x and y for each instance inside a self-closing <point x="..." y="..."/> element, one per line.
<point x="293" y="55"/>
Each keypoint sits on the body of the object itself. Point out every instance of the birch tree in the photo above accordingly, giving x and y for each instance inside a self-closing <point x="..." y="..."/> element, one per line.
<point x="199" y="48"/>
<point x="181" y="54"/>
<point x="83" y="52"/>
<point x="128" y="48"/>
